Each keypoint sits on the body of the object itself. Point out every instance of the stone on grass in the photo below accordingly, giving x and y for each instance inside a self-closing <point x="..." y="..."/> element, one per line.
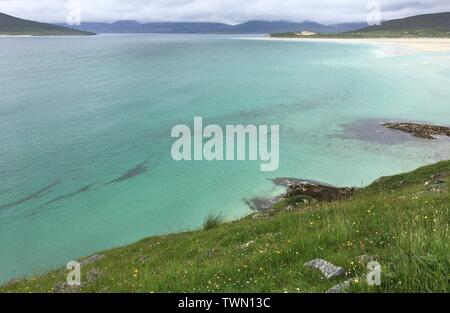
<point x="364" y="259"/>
<point x="92" y="259"/>
<point x="263" y="216"/>
<point x="246" y="245"/>
<point x="12" y="281"/>
<point x="65" y="288"/>
<point x="93" y="275"/>
<point x="328" y="270"/>
<point x="342" y="287"/>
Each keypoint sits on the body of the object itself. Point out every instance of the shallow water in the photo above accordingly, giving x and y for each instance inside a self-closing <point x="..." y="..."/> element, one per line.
<point x="85" y="128"/>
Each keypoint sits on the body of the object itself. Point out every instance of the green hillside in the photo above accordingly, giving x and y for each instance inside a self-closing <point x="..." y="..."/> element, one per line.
<point x="400" y="221"/>
<point x="420" y="26"/>
<point x="12" y="26"/>
<point x="439" y="21"/>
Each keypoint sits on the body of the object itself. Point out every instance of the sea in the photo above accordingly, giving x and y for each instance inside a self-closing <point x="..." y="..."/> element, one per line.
<point x="85" y="131"/>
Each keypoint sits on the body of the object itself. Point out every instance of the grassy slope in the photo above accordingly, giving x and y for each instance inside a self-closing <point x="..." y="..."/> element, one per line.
<point x="13" y="26"/>
<point x="421" y="26"/>
<point x="395" y="219"/>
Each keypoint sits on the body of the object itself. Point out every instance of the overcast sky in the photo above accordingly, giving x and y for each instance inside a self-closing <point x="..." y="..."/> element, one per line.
<point x="228" y="11"/>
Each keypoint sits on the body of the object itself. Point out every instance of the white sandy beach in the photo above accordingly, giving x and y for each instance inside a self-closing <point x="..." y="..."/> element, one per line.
<point x="421" y="44"/>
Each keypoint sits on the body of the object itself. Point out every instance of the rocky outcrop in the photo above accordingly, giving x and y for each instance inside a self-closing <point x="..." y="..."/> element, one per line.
<point x="342" y="287"/>
<point x="66" y="288"/>
<point x="423" y="131"/>
<point x="328" y="270"/>
<point x="303" y="190"/>
<point x="289" y="182"/>
<point x="245" y="246"/>
<point x="92" y="259"/>
<point x="11" y="282"/>
<point x="261" y="204"/>
<point x="318" y="191"/>
<point x="437" y="185"/>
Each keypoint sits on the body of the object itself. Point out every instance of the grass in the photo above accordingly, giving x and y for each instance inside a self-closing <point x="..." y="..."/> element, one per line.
<point x="397" y="220"/>
<point x="213" y="220"/>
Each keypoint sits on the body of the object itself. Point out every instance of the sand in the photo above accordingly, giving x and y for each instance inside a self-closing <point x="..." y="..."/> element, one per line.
<point x="421" y="44"/>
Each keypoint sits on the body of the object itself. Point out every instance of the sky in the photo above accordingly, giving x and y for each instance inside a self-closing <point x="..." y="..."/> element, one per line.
<point x="225" y="11"/>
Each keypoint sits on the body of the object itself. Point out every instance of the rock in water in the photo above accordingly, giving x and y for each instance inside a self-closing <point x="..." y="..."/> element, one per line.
<point x="423" y="131"/>
<point x="328" y="270"/>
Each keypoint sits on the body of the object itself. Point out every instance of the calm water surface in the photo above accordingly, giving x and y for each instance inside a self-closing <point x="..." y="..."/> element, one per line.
<point x="85" y="128"/>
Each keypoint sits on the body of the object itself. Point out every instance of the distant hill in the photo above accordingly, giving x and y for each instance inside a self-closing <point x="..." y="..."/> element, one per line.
<point x="438" y="21"/>
<point x="251" y="27"/>
<point x="13" y="26"/>
<point x="427" y="25"/>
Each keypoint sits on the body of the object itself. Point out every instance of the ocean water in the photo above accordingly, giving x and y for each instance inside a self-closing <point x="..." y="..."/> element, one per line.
<point x="85" y="127"/>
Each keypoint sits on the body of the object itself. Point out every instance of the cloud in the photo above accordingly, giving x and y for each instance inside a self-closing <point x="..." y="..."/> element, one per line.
<point x="229" y="11"/>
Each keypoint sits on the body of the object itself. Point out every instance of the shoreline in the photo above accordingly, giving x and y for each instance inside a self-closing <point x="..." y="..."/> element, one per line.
<point x="103" y="269"/>
<point x="420" y="44"/>
<point x="305" y="192"/>
<point x="323" y="192"/>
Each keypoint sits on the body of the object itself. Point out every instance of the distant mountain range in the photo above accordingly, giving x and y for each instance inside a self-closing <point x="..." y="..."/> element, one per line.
<point x="427" y="25"/>
<point x="251" y="27"/>
<point x="13" y="26"/>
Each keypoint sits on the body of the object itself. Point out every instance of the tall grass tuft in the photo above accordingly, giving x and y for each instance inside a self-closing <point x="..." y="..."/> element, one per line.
<point x="213" y="220"/>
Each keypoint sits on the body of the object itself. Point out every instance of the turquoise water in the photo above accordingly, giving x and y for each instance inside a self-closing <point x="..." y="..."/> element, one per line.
<point x="85" y="128"/>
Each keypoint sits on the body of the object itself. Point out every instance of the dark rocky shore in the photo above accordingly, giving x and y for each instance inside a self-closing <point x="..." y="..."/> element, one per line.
<point x="423" y="131"/>
<point x="305" y="190"/>
<point x="310" y="190"/>
<point x="319" y="192"/>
